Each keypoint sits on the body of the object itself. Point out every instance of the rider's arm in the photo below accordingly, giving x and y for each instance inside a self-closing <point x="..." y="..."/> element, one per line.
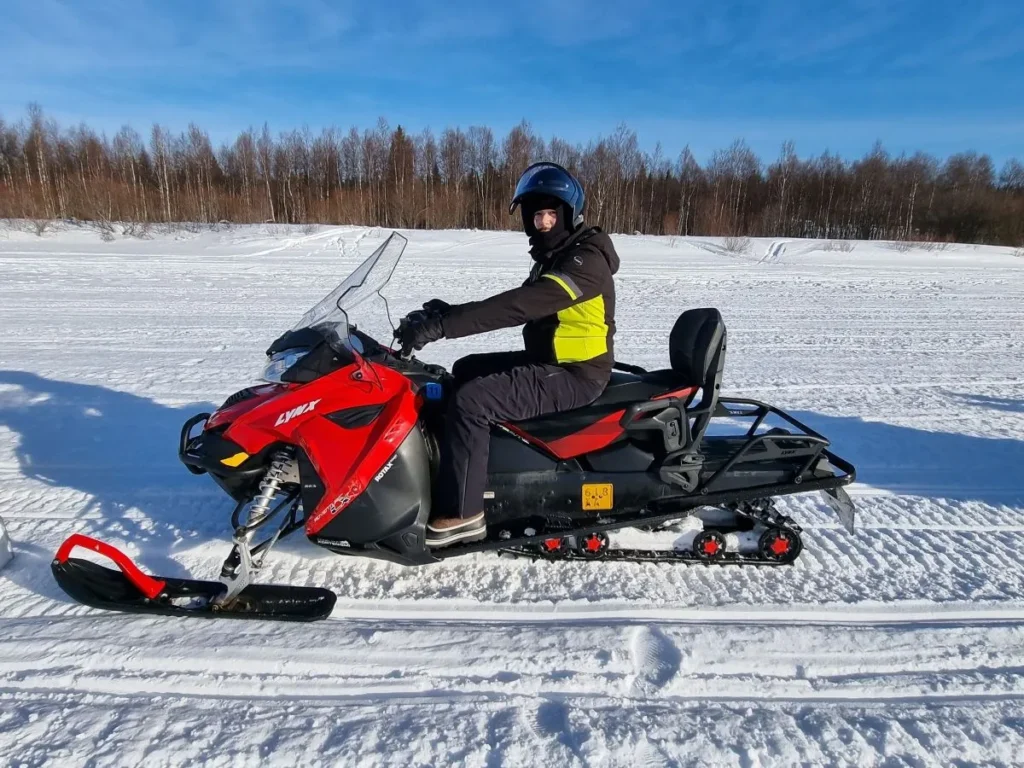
<point x="582" y="277"/>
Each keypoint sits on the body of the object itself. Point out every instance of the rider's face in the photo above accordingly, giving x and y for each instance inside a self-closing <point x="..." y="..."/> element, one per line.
<point x="545" y="220"/>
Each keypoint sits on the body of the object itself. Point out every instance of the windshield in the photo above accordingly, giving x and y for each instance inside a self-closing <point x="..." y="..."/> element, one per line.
<point x="331" y="314"/>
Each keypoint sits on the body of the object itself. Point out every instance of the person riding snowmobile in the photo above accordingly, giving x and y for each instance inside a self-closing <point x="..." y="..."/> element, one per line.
<point x="567" y="308"/>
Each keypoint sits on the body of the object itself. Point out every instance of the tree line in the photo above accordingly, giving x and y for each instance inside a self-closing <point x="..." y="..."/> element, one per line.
<point x="464" y="178"/>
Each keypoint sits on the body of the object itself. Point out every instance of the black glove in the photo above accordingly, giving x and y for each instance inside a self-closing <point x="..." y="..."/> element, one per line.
<point x="418" y="329"/>
<point x="437" y="307"/>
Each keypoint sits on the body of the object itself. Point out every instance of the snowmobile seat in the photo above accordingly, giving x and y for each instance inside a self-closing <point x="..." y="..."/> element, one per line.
<point x="639" y="401"/>
<point x="696" y="350"/>
<point x="626" y="387"/>
<point x="697" y="353"/>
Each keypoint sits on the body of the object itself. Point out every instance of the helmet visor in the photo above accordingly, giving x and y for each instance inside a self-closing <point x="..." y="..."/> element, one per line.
<point x="544" y="179"/>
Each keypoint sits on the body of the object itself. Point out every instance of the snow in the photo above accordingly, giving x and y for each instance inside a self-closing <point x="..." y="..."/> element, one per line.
<point x="899" y="645"/>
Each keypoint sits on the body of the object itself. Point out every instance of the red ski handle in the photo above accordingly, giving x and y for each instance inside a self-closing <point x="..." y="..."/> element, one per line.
<point x="146" y="584"/>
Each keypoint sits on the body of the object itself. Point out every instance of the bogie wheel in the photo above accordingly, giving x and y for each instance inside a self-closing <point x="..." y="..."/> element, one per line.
<point x="552" y="546"/>
<point x="709" y="546"/>
<point x="780" y="545"/>
<point x="592" y="544"/>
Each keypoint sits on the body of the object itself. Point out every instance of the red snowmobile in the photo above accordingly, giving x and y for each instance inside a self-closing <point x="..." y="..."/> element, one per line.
<point x="341" y="441"/>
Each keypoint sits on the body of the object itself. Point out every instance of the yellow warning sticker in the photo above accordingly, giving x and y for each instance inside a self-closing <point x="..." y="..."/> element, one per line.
<point x="598" y="496"/>
<point x="236" y="460"/>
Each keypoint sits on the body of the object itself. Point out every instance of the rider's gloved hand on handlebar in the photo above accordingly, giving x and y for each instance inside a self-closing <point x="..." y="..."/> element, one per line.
<point x="418" y="329"/>
<point x="437" y="307"/>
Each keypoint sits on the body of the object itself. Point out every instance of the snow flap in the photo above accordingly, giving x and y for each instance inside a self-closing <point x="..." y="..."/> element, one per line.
<point x="6" y="549"/>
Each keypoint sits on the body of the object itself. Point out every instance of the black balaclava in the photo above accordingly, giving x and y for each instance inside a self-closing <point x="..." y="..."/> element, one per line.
<point x="543" y="243"/>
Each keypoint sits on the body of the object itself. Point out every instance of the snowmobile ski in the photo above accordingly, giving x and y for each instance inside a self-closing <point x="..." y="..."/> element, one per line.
<point x="131" y="590"/>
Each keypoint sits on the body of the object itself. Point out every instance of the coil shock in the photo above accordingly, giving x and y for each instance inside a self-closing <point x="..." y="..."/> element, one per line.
<point x="240" y="565"/>
<point x="260" y="507"/>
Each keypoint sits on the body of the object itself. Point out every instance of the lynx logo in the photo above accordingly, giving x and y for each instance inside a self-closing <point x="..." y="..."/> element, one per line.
<point x="287" y="416"/>
<point x="387" y="467"/>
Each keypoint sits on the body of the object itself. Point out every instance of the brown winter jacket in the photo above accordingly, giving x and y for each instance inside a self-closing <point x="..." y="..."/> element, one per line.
<point x="567" y="307"/>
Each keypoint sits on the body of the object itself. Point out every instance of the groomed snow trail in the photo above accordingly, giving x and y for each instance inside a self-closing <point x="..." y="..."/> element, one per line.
<point x="900" y="645"/>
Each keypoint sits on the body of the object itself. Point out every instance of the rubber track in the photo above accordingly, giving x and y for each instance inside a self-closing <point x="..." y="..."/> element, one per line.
<point x="679" y="557"/>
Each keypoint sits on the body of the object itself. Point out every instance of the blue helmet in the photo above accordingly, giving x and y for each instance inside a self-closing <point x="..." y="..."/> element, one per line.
<point x="551" y="180"/>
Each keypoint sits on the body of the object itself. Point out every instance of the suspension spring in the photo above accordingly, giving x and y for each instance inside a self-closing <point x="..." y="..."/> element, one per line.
<point x="269" y="486"/>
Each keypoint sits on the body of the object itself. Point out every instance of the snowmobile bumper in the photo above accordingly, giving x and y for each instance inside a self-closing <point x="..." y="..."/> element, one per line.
<point x="186" y="442"/>
<point x="131" y="590"/>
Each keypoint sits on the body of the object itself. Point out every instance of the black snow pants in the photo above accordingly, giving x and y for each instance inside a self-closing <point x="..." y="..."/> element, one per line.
<point x="500" y="386"/>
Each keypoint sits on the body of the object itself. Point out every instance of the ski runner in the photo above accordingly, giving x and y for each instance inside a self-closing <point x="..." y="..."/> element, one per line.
<point x="567" y="308"/>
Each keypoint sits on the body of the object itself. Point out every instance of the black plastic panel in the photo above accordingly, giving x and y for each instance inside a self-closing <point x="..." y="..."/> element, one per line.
<point x="623" y="457"/>
<point x="509" y="453"/>
<point x="395" y="501"/>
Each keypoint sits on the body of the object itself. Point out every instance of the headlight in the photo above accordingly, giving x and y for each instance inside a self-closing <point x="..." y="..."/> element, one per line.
<point x="281" y="362"/>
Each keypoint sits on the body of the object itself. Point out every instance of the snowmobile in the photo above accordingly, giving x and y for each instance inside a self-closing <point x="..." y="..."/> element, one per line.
<point x="341" y="440"/>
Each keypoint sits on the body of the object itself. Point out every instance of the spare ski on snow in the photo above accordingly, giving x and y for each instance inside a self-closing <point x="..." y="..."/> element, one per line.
<point x="6" y="550"/>
<point x="129" y="589"/>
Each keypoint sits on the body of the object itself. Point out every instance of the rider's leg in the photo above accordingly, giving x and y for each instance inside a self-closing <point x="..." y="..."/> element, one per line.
<point x="475" y="366"/>
<point x="520" y="393"/>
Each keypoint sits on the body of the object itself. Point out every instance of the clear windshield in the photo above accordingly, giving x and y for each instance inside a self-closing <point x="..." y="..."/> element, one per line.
<point x="331" y="314"/>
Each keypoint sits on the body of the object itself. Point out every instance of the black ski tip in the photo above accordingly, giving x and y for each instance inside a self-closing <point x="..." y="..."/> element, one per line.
<point x="98" y="587"/>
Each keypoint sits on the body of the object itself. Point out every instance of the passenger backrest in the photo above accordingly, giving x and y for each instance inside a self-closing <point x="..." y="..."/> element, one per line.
<point x="696" y="340"/>
<point x="696" y="348"/>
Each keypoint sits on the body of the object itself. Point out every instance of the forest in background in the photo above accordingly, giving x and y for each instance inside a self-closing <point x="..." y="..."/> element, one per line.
<point x="464" y="178"/>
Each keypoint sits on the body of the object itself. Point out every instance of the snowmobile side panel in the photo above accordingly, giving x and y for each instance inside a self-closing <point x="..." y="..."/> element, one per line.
<point x="130" y="590"/>
<point x="621" y="457"/>
<point x="510" y="452"/>
<point x="391" y="514"/>
<point x="347" y="461"/>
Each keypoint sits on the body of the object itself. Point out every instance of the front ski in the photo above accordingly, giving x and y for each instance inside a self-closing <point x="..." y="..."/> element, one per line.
<point x="129" y="589"/>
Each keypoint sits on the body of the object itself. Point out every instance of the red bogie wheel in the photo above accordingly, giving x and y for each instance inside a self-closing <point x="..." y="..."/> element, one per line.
<point x="552" y="546"/>
<point x="592" y="544"/>
<point x="709" y="545"/>
<point x="780" y="545"/>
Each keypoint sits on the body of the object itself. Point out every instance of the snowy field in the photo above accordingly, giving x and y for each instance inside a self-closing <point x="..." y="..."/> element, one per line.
<point x="901" y="645"/>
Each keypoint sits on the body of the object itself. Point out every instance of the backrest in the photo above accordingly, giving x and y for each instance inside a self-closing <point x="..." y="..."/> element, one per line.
<point x="696" y="339"/>
<point x="696" y="348"/>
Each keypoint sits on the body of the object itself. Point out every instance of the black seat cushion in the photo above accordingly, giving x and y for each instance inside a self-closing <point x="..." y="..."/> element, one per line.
<point x="623" y="389"/>
<point x="695" y="340"/>
<point x="633" y="388"/>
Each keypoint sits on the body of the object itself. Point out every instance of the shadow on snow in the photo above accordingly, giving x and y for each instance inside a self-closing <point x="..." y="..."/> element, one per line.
<point x="919" y="462"/>
<point x="119" y="452"/>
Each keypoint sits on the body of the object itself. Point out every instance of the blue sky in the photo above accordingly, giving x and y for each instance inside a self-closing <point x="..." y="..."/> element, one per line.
<point x="934" y="75"/>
